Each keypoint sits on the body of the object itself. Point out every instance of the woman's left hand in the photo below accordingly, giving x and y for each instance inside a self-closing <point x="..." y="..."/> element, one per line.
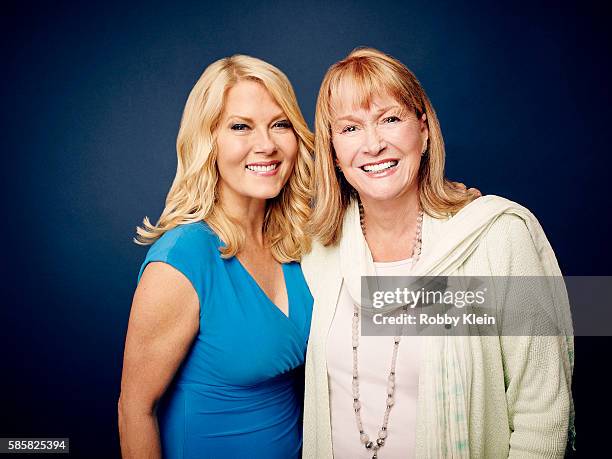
<point x="461" y="187"/>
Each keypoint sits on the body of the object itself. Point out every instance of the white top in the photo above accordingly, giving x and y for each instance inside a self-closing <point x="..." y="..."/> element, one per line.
<point x="374" y="365"/>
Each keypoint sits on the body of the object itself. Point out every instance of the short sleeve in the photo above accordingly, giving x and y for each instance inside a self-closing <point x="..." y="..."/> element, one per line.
<point x="184" y="248"/>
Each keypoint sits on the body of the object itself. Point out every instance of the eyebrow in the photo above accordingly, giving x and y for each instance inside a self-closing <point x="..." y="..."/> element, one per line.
<point x="350" y="117"/>
<point x="250" y="120"/>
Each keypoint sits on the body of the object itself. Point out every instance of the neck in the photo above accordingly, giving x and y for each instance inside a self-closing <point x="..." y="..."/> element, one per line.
<point x="391" y="226"/>
<point x="391" y="217"/>
<point x="249" y="214"/>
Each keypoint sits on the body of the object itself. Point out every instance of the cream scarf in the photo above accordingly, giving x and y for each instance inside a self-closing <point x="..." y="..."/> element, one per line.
<point x="447" y="365"/>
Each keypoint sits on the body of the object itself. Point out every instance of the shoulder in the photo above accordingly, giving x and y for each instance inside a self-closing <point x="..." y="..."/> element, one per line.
<point x="320" y="262"/>
<point x="491" y="205"/>
<point x="504" y="219"/>
<point x="508" y="226"/>
<point x="496" y="213"/>
<point x="511" y="247"/>
<point x="318" y="254"/>
<point x="191" y="234"/>
<point x="184" y="240"/>
<point x="510" y="239"/>
<point x="512" y="223"/>
<point x="189" y="248"/>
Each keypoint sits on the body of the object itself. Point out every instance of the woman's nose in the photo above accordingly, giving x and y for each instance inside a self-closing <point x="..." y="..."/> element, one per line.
<point x="373" y="143"/>
<point x="264" y="143"/>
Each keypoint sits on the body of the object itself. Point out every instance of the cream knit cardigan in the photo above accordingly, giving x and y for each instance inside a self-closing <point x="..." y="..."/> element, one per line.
<point x="518" y="389"/>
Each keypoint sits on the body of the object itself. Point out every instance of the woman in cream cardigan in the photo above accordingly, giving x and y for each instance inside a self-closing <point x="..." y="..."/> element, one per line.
<point x="383" y="207"/>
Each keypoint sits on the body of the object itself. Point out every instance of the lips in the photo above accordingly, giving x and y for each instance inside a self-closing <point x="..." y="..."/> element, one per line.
<point x="379" y="166"/>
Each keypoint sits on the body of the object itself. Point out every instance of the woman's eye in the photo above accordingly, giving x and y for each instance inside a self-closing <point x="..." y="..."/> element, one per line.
<point x="239" y="127"/>
<point x="391" y="119"/>
<point x="282" y="124"/>
<point x="349" y="129"/>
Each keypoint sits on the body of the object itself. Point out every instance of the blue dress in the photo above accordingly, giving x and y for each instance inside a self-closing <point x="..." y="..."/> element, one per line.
<point x="238" y="392"/>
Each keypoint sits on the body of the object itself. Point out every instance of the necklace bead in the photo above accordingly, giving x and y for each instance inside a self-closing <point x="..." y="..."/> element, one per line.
<point x="382" y="433"/>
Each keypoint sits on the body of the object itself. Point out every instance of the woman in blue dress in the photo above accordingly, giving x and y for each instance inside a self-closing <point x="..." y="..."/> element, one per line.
<point x="221" y="315"/>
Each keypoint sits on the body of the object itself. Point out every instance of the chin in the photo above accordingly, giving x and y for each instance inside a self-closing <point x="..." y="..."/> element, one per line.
<point x="265" y="194"/>
<point x="379" y="198"/>
<point x="379" y="195"/>
<point x="383" y="193"/>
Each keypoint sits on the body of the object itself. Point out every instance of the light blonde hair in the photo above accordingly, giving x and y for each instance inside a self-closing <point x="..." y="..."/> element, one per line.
<point x="371" y="72"/>
<point x="193" y="195"/>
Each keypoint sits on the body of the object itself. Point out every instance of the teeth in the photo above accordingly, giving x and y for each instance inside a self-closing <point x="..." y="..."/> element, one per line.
<point x="378" y="167"/>
<point x="269" y="168"/>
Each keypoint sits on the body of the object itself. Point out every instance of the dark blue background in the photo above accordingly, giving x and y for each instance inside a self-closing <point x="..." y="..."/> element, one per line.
<point x="92" y="97"/>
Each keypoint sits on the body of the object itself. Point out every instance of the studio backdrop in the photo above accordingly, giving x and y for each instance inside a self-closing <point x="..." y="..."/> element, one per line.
<point x="92" y="98"/>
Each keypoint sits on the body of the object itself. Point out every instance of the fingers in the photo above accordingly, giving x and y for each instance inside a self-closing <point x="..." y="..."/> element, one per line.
<point x="461" y="187"/>
<point x="475" y="191"/>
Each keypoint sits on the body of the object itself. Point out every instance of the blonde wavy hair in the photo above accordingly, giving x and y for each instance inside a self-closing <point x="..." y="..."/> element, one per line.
<point x="371" y="72"/>
<point x="193" y="196"/>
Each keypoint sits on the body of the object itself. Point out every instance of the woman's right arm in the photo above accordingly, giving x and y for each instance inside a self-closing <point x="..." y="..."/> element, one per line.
<point x="163" y="322"/>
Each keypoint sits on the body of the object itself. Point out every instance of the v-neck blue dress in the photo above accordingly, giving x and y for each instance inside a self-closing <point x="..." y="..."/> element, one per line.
<point x="238" y="393"/>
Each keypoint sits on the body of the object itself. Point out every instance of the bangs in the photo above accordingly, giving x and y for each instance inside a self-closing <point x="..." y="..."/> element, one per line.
<point x="362" y="81"/>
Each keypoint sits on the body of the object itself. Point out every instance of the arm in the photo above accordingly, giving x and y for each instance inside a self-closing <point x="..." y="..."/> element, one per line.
<point x="538" y="386"/>
<point x="163" y="322"/>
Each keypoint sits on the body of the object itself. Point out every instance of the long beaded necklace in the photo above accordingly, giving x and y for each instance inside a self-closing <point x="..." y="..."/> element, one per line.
<point x="382" y="433"/>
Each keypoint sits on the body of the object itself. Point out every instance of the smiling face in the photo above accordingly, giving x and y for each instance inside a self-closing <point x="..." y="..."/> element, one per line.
<point x="256" y="144"/>
<point x="378" y="148"/>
